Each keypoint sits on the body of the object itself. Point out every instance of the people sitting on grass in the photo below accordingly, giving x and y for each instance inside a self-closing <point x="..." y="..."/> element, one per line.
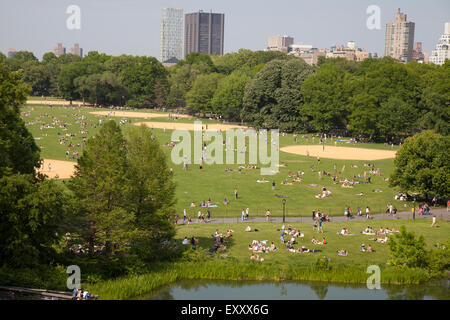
<point x="185" y="241"/>
<point x="229" y="233"/>
<point x="272" y="247"/>
<point x="344" y="232"/>
<point x="368" y="230"/>
<point x="342" y="252"/>
<point x="248" y="229"/>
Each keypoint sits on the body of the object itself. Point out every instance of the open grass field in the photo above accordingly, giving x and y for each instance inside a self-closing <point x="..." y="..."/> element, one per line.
<point x="49" y="124"/>
<point x="237" y="245"/>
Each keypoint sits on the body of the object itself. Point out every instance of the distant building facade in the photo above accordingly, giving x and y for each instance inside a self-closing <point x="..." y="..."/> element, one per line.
<point x="280" y="43"/>
<point x="442" y="50"/>
<point x="59" y="50"/>
<point x="204" y="33"/>
<point x="11" y="52"/>
<point x="311" y="55"/>
<point x="171" y="34"/>
<point x="399" y="38"/>
<point x="76" y="50"/>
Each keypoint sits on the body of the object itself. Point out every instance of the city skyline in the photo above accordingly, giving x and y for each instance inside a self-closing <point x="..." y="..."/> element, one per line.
<point x="133" y="27"/>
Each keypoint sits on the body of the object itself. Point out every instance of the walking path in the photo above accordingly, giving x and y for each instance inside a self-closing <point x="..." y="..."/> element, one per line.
<point x="440" y="213"/>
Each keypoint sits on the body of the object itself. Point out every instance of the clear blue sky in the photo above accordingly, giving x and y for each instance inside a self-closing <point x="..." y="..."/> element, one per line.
<point x="132" y="26"/>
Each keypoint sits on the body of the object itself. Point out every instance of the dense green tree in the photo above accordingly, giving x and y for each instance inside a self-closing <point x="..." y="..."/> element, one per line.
<point x="227" y="100"/>
<point x="408" y="250"/>
<point x="66" y="80"/>
<point x="151" y="191"/>
<point x="273" y="98"/>
<point x="101" y="89"/>
<point x="30" y="206"/>
<point x="38" y="77"/>
<point x="142" y="77"/>
<point x="99" y="185"/>
<point x="30" y="212"/>
<point x="199" y="98"/>
<point x="422" y="165"/>
<point x="327" y="95"/>
<point x="18" y="150"/>
<point x="20" y="57"/>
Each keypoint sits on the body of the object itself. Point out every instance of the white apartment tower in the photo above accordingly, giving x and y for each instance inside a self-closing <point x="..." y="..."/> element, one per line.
<point x="171" y="34"/>
<point x="442" y="50"/>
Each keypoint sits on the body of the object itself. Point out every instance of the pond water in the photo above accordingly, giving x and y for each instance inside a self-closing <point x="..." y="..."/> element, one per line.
<point x="257" y="290"/>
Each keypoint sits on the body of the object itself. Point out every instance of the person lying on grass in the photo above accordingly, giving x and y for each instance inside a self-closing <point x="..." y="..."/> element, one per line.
<point x="382" y="240"/>
<point x="314" y="241"/>
<point x="342" y="252"/>
<point x="386" y="231"/>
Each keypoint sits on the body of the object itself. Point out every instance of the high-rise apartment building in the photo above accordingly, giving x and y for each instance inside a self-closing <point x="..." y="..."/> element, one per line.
<point x="11" y="52"/>
<point x="280" y="43"/>
<point x="399" y="38"/>
<point x="171" y="34"/>
<point x="76" y="50"/>
<point x="203" y="32"/>
<point x="59" y="50"/>
<point x="442" y="50"/>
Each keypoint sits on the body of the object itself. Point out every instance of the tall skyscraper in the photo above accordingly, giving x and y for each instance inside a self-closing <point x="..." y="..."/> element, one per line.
<point x="203" y="32"/>
<point x="280" y="43"/>
<point x="442" y="50"/>
<point x="59" y="50"/>
<point x="76" y="50"/>
<point x="399" y="39"/>
<point x="171" y="34"/>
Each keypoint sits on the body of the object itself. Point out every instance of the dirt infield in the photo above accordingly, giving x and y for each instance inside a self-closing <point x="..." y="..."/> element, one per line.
<point x="341" y="153"/>
<point x="55" y="102"/>
<point x="64" y="169"/>
<point x="189" y="126"/>
<point x="148" y="115"/>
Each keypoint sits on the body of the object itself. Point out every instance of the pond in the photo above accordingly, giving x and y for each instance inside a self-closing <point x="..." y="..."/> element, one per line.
<point x="269" y="290"/>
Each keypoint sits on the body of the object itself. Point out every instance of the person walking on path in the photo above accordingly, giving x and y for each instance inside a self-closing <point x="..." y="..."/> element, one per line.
<point x="367" y="212"/>
<point x="246" y="213"/>
<point x="243" y="215"/>
<point x="267" y="215"/>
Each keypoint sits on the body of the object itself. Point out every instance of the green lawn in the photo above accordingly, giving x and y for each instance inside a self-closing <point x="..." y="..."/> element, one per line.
<point x="237" y="245"/>
<point x="215" y="183"/>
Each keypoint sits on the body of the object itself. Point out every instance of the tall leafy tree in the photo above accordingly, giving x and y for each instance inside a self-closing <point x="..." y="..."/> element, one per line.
<point x="422" y="165"/>
<point x="99" y="185"/>
<point x="151" y="191"/>
<point x="227" y="100"/>
<point x="18" y="150"/>
<point x="273" y="98"/>
<point x="199" y="98"/>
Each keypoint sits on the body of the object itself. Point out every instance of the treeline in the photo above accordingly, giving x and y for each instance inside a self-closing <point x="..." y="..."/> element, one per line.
<point x="376" y="99"/>
<point x="115" y="213"/>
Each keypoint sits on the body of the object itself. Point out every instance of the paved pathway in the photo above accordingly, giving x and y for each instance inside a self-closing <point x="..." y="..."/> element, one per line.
<point x="440" y="213"/>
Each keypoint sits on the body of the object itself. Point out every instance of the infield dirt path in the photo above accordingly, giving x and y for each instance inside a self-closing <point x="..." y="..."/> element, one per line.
<point x="189" y="126"/>
<point x="341" y="153"/>
<point x="55" y="102"/>
<point x="62" y="169"/>
<point x="148" y="115"/>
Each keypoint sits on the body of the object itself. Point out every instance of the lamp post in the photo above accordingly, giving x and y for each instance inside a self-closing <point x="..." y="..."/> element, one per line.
<point x="284" y="205"/>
